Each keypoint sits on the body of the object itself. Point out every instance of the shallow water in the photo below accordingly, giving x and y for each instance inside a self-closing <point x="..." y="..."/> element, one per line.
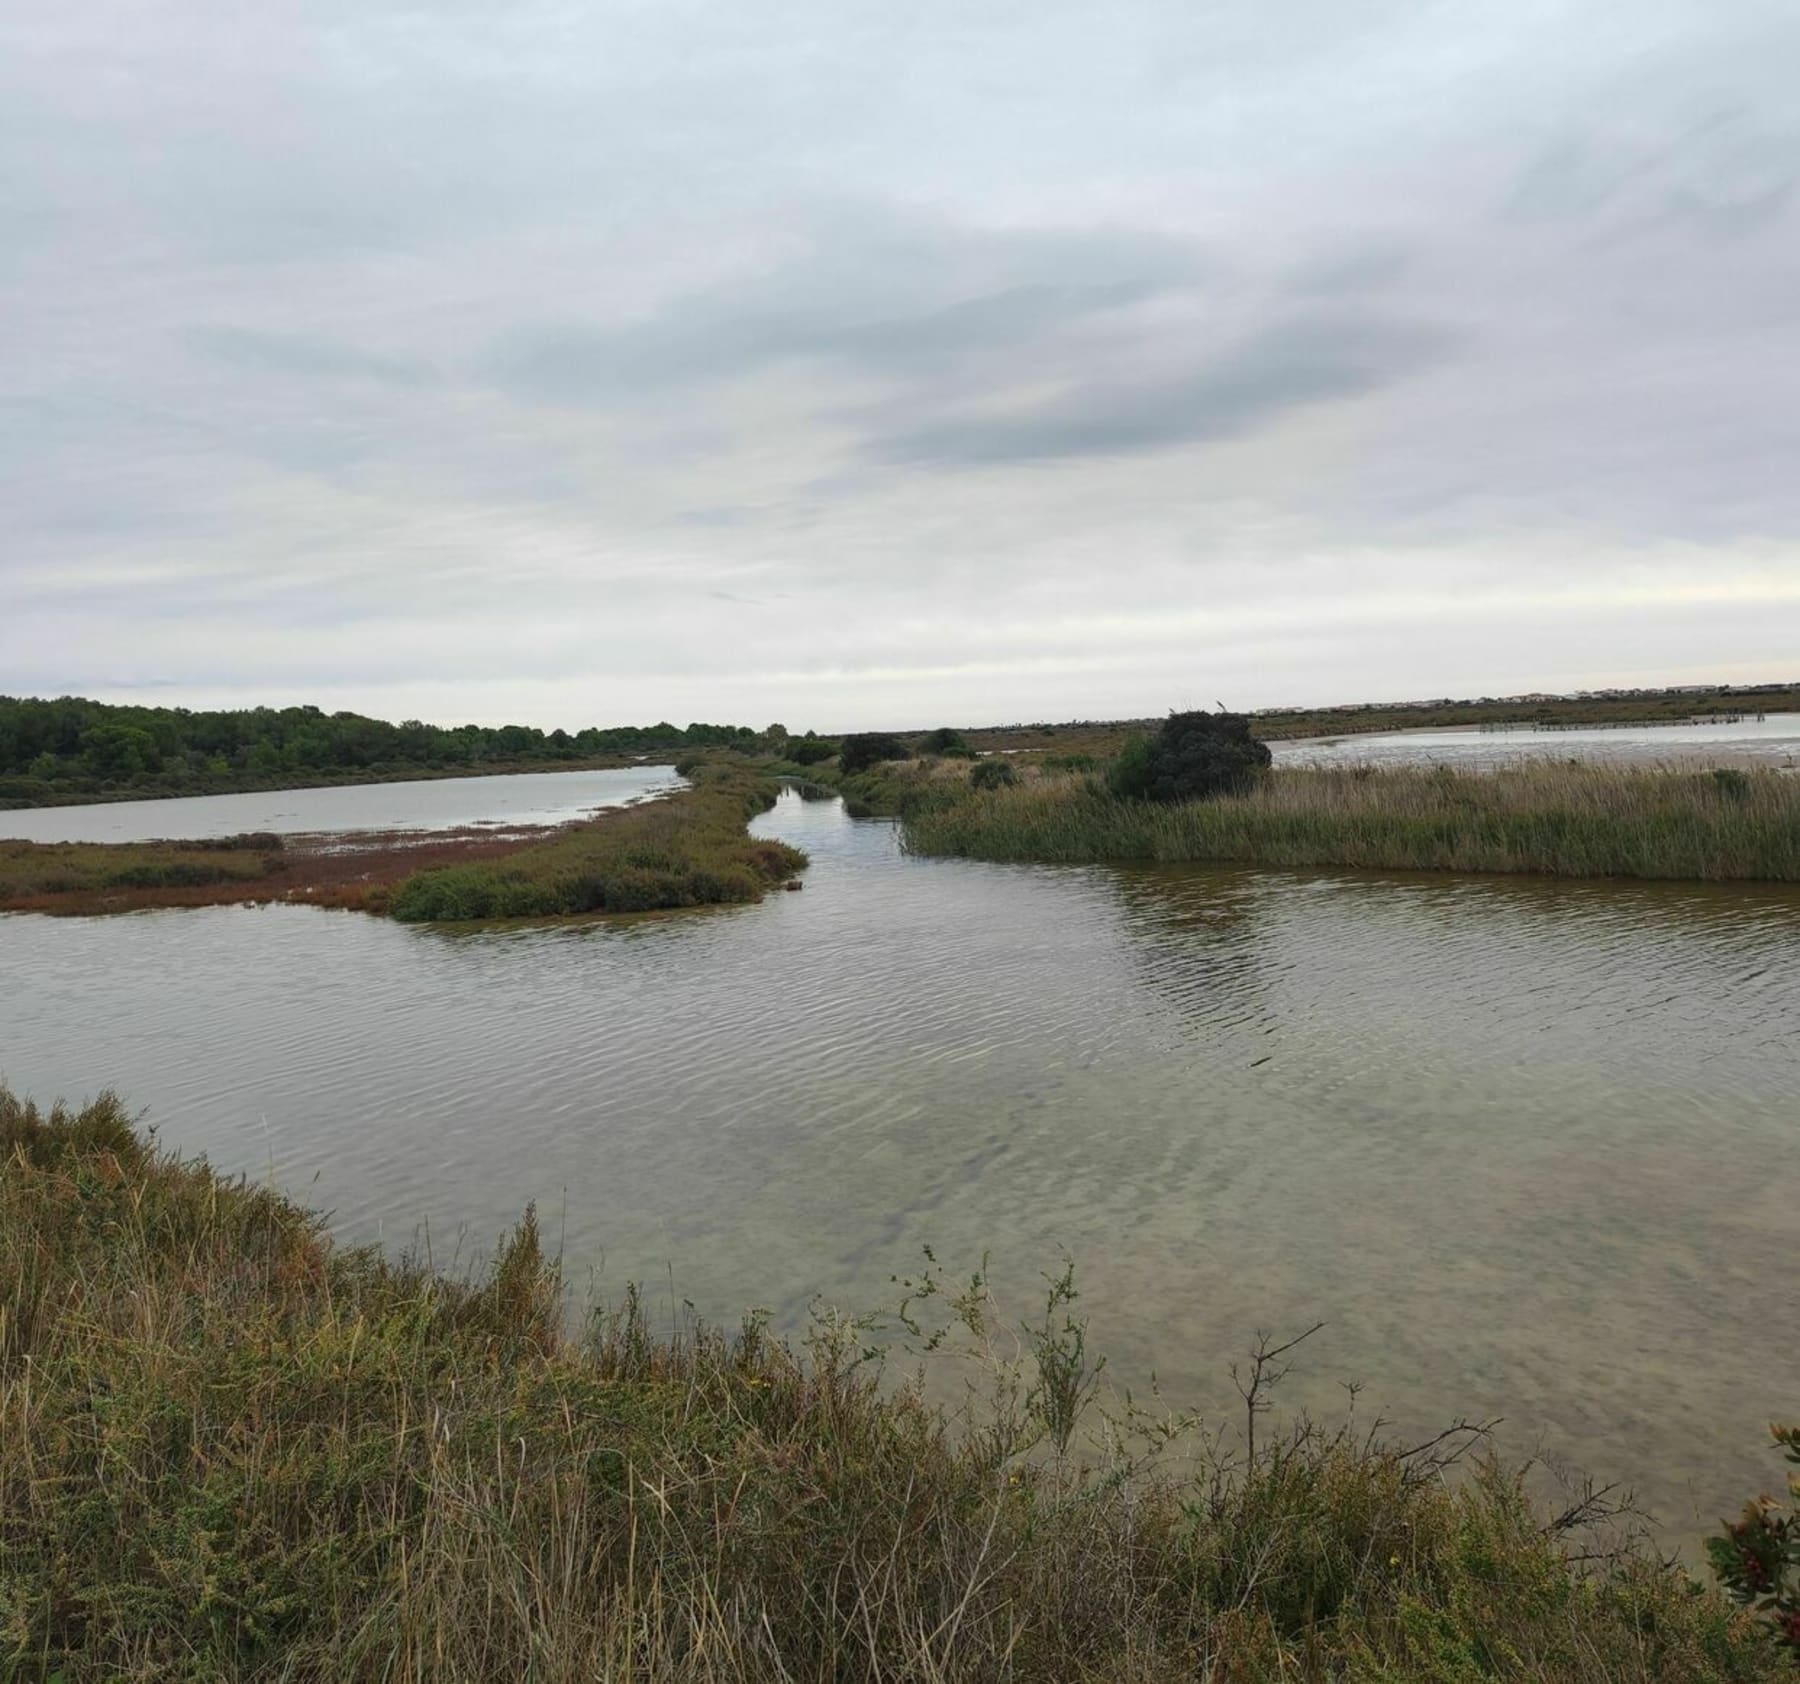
<point x="527" y="798"/>
<point x="1771" y="740"/>
<point x="1520" y="1143"/>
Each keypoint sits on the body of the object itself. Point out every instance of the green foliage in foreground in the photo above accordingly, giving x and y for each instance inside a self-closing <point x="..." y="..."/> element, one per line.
<point x="230" y="1450"/>
<point x="1565" y="820"/>
<point x="1757" y="1558"/>
<point x="689" y="849"/>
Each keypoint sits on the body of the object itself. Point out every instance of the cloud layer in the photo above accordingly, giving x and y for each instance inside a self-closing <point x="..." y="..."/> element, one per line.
<point x="854" y="365"/>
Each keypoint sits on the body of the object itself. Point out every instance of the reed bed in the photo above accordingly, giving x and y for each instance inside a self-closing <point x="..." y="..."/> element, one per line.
<point x="1566" y="820"/>
<point x="232" y="1450"/>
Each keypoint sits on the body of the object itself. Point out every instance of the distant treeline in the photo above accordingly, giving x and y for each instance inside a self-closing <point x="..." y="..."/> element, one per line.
<point x="53" y="750"/>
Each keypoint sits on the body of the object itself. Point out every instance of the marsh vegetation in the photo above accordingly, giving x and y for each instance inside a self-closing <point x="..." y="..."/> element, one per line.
<point x="687" y="849"/>
<point x="232" y="1449"/>
<point x="1563" y="819"/>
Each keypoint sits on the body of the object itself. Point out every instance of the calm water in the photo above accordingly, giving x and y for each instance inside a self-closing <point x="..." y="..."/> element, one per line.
<point x="1773" y="740"/>
<point x="1520" y="1143"/>
<point x="421" y="804"/>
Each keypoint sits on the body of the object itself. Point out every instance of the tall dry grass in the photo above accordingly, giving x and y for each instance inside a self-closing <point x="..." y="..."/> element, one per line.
<point x="1570" y="820"/>
<point x="230" y="1450"/>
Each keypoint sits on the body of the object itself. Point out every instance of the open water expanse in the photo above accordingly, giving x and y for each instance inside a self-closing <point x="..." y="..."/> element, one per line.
<point x="1525" y="1146"/>
<point x="1771" y="739"/>
<point x="505" y="802"/>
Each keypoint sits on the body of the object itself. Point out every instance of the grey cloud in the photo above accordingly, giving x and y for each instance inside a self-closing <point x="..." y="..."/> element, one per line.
<point x="306" y="355"/>
<point x="873" y="292"/>
<point x="1723" y="176"/>
<point x="1287" y="366"/>
<point x="1355" y="267"/>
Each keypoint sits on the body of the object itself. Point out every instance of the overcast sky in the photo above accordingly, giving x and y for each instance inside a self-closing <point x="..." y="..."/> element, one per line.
<point x="872" y="364"/>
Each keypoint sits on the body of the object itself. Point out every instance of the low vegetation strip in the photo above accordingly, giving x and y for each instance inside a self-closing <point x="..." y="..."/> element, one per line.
<point x="232" y="1450"/>
<point x="1563" y="820"/>
<point x="685" y="849"/>
<point x="688" y="849"/>
<point x="31" y="872"/>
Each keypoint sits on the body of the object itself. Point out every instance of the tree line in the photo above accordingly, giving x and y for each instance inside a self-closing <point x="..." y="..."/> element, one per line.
<point x="72" y="746"/>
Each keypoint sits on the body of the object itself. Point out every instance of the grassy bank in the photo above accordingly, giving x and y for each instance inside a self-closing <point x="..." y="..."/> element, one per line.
<point x="688" y="849"/>
<point x="1560" y="820"/>
<point x="231" y="1450"/>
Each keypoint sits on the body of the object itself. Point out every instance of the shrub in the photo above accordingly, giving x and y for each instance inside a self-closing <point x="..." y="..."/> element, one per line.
<point x="1130" y="775"/>
<point x="1758" y="1557"/>
<point x="1192" y="757"/>
<point x="864" y="749"/>
<point x="809" y="751"/>
<point x="993" y="774"/>
<point x="946" y="741"/>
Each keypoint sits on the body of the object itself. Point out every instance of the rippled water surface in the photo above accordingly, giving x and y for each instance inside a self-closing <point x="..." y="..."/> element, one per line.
<point x="1521" y="1144"/>
<point x="417" y="804"/>
<point x="1759" y="740"/>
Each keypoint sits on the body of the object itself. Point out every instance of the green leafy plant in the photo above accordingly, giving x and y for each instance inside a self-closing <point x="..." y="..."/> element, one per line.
<point x="1757" y="1558"/>
<point x="993" y="774"/>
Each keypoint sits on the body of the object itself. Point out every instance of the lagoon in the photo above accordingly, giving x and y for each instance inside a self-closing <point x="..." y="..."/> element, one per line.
<point x="1515" y="1141"/>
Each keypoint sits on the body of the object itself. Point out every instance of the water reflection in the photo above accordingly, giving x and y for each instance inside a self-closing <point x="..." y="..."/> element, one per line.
<point x="1511" y="1138"/>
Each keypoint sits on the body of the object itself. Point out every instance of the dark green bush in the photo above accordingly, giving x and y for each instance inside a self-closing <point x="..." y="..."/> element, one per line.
<point x="809" y="751"/>
<point x="993" y="774"/>
<point x="864" y="749"/>
<point x="1193" y="756"/>
<point x="945" y="741"/>
<point x="1129" y="776"/>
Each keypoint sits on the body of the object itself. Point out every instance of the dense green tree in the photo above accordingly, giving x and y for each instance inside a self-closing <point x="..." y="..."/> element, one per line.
<point x="944" y="740"/>
<point x="1191" y="757"/>
<point x="863" y="749"/>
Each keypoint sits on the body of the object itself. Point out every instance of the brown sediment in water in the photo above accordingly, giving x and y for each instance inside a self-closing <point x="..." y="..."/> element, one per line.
<point x="352" y="870"/>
